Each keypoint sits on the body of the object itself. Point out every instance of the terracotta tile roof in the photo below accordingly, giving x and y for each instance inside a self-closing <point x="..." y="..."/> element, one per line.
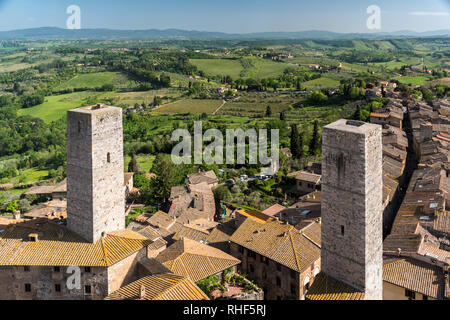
<point x="221" y="233"/>
<point x="273" y="210"/>
<point x="255" y="215"/>
<point x="151" y="267"/>
<point x="160" y="287"/>
<point x="61" y="187"/>
<point x="40" y="190"/>
<point x="208" y="177"/>
<point x="191" y="233"/>
<point x="195" y="260"/>
<point x="306" y="176"/>
<point x="328" y="288"/>
<point x="442" y="222"/>
<point x="415" y="275"/>
<point x="161" y="220"/>
<point x="58" y="246"/>
<point x="432" y="251"/>
<point x="149" y="232"/>
<point x="279" y="242"/>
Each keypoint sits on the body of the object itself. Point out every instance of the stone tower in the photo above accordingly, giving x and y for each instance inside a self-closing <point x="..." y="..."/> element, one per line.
<point x="95" y="173"/>
<point x="352" y="226"/>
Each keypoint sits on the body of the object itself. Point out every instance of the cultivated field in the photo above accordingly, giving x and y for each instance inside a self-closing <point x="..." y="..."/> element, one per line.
<point x="222" y="67"/>
<point x="321" y="83"/>
<point x="190" y="106"/>
<point x="94" y="80"/>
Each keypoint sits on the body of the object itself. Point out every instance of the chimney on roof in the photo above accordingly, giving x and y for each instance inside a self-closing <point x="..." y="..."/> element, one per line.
<point x="33" y="237"/>
<point x="142" y="292"/>
<point x="399" y="251"/>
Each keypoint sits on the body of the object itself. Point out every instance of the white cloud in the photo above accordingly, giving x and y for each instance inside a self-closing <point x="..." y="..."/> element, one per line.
<point x="427" y="13"/>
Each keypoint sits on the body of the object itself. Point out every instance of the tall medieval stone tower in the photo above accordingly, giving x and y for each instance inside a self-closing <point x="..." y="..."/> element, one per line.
<point x="95" y="173"/>
<point x="352" y="205"/>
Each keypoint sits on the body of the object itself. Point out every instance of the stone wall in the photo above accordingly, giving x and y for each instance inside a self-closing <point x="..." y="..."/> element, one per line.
<point x="352" y="205"/>
<point x="95" y="193"/>
<point x="265" y="275"/>
<point x="124" y="272"/>
<point x="42" y="281"/>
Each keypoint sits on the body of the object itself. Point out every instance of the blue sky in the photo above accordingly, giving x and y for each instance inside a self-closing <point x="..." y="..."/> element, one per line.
<point x="233" y="16"/>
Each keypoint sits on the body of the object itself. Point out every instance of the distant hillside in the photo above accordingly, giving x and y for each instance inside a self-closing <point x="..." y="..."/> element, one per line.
<point x="53" y="33"/>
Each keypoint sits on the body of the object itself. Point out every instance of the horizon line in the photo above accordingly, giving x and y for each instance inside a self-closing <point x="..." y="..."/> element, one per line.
<point x="227" y="33"/>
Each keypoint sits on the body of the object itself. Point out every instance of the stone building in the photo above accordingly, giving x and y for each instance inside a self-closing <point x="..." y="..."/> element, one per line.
<point x="412" y="279"/>
<point x="278" y="257"/>
<point x="351" y="209"/>
<point x="195" y="260"/>
<point x="93" y="256"/>
<point x="39" y="259"/>
<point x="95" y="194"/>
<point x="306" y="182"/>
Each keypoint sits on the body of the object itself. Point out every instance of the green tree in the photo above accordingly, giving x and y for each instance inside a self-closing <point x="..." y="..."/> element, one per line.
<point x="268" y="111"/>
<point x="296" y="142"/>
<point x="316" y="97"/>
<point x="315" y="140"/>
<point x="133" y="165"/>
<point x="357" y="114"/>
<point x="12" y="206"/>
<point x="222" y="193"/>
<point x="165" y="179"/>
<point x="298" y="84"/>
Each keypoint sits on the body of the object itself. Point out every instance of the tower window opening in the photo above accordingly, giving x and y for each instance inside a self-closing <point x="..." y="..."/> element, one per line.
<point x="108" y="157"/>
<point x="79" y="126"/>
<point x="342" y="230"/>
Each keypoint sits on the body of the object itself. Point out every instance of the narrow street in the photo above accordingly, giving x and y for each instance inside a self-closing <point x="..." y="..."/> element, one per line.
<point x="410" y="166"/>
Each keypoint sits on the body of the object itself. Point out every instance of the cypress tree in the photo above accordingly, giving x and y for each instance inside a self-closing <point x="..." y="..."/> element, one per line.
<point x="314" y="144"/>
<point x="133" y="165"/>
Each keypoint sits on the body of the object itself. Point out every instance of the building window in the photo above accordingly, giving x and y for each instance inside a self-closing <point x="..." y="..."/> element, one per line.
<point x="108" y="157"/>
<point x="27" y="287"/>
<point x="278" y="282"/>
<point x="87" y="290"/>
<point x="241" y="249"/>
<point x="293" y="274"/>
<point x="26" y="269"/>
<point x="56" y="269"/>
<point x="87" y="269"/>
<point x="342" y="230"/>
<point x="251" y="268"/>
<point x="57" y="287"/>
<point x="410" y="294"/>
<point x="251" y="254"/>
<point x="278" y="267"/>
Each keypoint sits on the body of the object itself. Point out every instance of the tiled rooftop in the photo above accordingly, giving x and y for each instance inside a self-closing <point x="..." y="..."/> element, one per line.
<point x="195" y="260"/>
<point x="58" y="246"/>
<point x="280" y="242"/>
<point x="160" y="287"/>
